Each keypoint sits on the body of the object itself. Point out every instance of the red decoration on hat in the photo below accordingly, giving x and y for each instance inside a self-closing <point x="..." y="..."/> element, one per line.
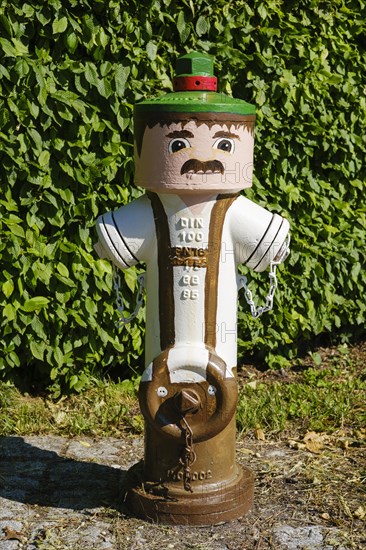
<point x="193" y="83"/>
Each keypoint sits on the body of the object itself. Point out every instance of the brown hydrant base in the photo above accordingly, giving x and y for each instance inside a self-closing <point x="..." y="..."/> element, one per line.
<point x="207" y="505"/>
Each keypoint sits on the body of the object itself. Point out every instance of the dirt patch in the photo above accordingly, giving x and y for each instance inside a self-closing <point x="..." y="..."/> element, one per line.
<point x="61" y="494"/>
<point x="303" y="500"/>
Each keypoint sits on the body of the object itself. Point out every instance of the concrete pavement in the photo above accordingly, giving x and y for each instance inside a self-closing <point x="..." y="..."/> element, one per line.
<point x="65" y="494"/>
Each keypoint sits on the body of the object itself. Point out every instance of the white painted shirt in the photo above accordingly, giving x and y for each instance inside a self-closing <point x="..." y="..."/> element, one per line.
<point x="251" y="235"/>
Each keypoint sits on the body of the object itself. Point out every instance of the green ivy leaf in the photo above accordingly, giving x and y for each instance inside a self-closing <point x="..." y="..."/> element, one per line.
<point x="91" y="306"/>
<point x="62" y="269"/>
<point x="130" y="278"/>
<point x="7" y="48"/>
<point x="202" y="25"/>
<point x="36" y="303"/>
<point x="58" y="355"/>
<point x="8" y="288"/>
<point x="44" y="159"/>
<point x="121" y="76"/>
<point x="20" y="48"/>
<point x="59" y="25"/>
<point x="9" y="312"/>
<point x="72" y="41"/>
<point x="151" y="50"/>
<point x="182" y="27"/>
<point x="91" y="74"/>
<point x="37" y="349"/>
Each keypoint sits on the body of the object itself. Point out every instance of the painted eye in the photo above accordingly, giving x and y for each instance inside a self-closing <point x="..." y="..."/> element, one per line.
<point x="177" y="144"/>
<point x="224" y="144"/>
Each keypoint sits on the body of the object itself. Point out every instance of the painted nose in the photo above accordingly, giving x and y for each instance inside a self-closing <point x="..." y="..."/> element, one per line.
<point x="187" y="401"/>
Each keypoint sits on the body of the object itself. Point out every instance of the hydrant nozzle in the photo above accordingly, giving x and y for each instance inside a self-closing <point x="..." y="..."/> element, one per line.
<point x="187" y="402"/>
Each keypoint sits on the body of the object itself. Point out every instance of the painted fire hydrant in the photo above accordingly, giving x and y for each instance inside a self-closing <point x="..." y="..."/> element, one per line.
<point x="193" y="155"/>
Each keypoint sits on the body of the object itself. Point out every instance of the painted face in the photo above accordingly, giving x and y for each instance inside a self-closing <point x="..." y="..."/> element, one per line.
<point x="186" y="158"/>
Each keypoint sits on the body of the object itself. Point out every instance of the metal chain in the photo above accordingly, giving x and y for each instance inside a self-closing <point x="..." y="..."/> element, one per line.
<point x="189" y="456"/>
<point x="119" y="298"/>
<point x="258" y="311"/>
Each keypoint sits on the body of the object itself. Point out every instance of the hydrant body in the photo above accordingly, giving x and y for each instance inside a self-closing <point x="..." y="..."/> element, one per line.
<point x="193" y="154"/>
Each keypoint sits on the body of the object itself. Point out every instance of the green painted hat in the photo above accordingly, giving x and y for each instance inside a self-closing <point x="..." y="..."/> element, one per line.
<point x="194" y="92"/>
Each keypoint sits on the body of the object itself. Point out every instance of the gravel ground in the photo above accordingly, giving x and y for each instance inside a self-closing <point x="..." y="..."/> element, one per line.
<point x="58" y="493"/>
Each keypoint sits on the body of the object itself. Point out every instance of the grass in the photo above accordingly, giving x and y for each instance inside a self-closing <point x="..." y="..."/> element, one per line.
<point x="107" y="409"/>
<point x="323" y="392"/>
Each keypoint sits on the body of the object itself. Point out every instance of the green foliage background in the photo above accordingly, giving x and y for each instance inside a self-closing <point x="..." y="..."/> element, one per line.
<point x="70" y="73"/>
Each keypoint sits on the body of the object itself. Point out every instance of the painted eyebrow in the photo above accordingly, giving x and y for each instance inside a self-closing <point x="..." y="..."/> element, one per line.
<point x="180" y="133"/>
<point x="221" y="133"/>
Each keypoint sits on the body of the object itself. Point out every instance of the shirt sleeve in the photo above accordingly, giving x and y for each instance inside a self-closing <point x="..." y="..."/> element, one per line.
<point x="126" y="236"/>
<point x="258" y="234"/>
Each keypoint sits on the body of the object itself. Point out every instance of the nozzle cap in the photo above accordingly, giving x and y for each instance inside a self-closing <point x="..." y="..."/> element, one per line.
<point x="194" y="71"/>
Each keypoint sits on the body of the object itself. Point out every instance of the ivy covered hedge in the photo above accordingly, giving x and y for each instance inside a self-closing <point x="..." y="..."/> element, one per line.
<point x="70" y="72"/>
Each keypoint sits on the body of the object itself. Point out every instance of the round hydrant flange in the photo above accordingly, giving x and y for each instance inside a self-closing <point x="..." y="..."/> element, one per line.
<point x="212" y="504"/>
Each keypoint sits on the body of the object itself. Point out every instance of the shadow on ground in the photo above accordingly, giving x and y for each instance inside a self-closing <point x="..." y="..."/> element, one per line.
<point x="32" y="475"/>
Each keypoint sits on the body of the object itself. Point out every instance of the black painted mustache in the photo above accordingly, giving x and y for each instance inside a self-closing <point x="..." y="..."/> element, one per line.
<point x="194" y="165"/>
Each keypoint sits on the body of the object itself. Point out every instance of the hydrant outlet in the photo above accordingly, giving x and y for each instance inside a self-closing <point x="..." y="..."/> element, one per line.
<point x="187" y="402"/>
